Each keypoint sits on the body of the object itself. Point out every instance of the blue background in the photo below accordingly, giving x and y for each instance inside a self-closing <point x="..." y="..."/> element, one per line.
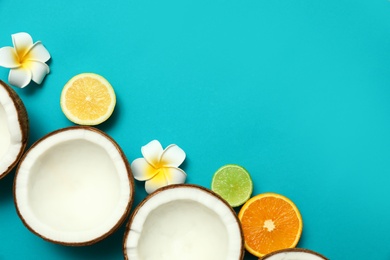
<point x="295" y="91"/>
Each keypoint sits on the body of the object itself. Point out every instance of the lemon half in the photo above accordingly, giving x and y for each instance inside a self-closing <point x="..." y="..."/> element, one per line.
<point x="88" y="99"/>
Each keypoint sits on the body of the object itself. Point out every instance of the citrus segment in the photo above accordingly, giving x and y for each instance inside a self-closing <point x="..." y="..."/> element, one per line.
<point x="233" y="183"/>
<point x="88" y="99"/>
<point x="270" y="222"/>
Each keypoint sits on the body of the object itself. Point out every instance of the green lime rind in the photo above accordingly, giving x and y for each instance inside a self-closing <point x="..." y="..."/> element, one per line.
<point x="233" y="183"/>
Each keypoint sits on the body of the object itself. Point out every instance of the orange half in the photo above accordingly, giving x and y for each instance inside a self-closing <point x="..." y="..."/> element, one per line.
<point x="270" y="222"/>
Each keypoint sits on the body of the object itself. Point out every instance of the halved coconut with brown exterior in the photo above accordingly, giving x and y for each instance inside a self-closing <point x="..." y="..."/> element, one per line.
<point x="294" y="254"/>
<point x="14" y="128"/>
<point x="183" y="222"/>
<point x="74" y="186"/>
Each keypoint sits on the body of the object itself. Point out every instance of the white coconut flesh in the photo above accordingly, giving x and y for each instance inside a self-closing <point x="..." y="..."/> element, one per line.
<point x="73" y="187"/>
<point x="294" y="254"/>
<point x="184" y="222"/>
<point x="11" y="135"/>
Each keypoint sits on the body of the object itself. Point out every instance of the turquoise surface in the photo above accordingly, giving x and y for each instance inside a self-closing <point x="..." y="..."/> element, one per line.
<point x="297" y="92"/>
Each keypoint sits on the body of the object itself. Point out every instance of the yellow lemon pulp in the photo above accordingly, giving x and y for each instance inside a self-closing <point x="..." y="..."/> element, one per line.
<point x="88" y="99"/>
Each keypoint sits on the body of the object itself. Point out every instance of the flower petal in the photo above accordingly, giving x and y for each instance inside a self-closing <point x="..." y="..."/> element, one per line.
<point x="9" y="58"/>
<point x="38" y="69"/>
<point x="19" y="77"/>
<point x="142" y="170"/>
<point x="22" y="42"/>
<point x="152" y="152"/>
<point x="38" y="52"/>
<point x="156" y="182"/>
<point x="175" y="175"/>
<point x="172" y="156"/>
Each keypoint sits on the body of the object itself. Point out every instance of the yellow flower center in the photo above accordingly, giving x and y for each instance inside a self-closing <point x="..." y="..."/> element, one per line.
<point x="22" y="55"/>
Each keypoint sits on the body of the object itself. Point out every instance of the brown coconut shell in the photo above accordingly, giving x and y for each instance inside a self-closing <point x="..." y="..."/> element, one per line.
<point x="173" y="186"/>
<point x="129" y="174"/>
<point x="293" y="250"/>
<point x="23" y="122"/>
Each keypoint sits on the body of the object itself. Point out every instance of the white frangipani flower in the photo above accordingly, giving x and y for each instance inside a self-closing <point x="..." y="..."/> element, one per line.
<point x="159" y="167"/>
<point x="26" y="60"/>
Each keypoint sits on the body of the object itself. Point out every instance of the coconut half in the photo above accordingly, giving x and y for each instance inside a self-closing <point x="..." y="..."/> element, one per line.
<point x="294" y="254"/>
<point x="183" y="222"/>
<point x="14" y="128"/>
<point x="74" y="186"/>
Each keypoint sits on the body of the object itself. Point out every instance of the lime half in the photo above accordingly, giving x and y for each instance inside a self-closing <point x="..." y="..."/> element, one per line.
<point x="233" y="183"/>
